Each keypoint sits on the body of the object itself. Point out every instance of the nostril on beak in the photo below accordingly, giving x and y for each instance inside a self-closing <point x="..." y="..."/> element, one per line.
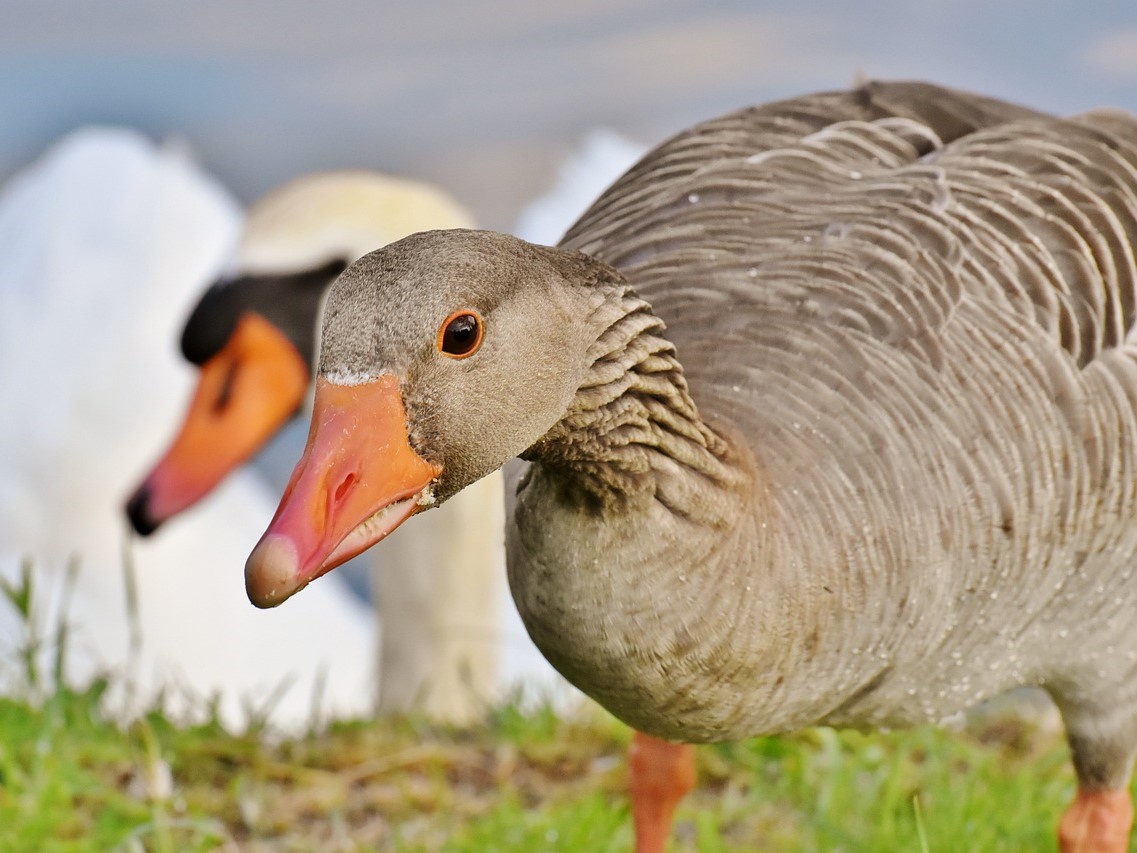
<point x="344" y="488"/>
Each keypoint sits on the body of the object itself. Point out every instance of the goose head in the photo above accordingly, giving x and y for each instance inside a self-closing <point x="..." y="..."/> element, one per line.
<point x="444" y="355"/>
<point x="252" y="334"/>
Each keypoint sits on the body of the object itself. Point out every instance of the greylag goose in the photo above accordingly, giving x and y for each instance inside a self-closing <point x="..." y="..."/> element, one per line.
<point x="252" y="336"/>
<point x="830" y="409"/>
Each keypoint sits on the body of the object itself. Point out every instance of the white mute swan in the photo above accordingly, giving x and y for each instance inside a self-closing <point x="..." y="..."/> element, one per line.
<point x="107" y="240"/>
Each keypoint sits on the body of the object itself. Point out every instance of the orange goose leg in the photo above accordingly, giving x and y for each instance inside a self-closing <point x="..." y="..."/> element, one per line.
<point x="660" y="775"/>
<point x="1098" y="821"/>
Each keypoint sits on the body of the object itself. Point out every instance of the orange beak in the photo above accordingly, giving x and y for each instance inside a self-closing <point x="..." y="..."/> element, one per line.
<point x="357" y="481"/>
<point x="244" y="394"/>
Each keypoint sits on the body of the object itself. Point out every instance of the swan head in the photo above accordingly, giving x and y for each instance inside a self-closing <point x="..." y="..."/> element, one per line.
<point x="252" y="335"/>
<point x="443" y="356"/>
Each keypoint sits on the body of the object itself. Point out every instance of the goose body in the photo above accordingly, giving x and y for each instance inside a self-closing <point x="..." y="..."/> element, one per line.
<point x="829" y="407"/>
<point x="917" y="381"/>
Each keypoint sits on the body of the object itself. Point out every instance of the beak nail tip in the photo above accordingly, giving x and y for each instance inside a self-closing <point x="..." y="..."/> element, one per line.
<point x="271" y="571"/>
<point x="138" y="511"/>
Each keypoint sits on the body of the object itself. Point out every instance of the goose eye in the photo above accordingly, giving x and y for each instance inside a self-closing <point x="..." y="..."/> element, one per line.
<point x="461" y="334"/>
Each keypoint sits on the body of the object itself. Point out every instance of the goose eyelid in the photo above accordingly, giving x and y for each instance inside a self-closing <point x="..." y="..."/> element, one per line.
<point x="460" y="334"/>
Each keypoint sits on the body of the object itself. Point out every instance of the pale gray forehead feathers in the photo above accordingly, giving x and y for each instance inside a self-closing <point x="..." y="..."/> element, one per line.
<point x="387" y="306"/>
<point x="400" y="292"/>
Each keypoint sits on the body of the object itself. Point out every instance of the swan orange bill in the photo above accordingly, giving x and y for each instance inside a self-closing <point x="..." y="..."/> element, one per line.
<point x="244" y="394"/>
<point x="358" y="480"/>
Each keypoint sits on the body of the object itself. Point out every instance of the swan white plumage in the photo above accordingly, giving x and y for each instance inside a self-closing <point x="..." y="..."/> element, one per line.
<point x="602" y="156"/>
<point x="107" y="241"/>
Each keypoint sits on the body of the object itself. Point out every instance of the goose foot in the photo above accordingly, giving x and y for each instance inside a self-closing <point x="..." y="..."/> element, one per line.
<point x="1098" y="821"/>
<point x="660" y="775"/>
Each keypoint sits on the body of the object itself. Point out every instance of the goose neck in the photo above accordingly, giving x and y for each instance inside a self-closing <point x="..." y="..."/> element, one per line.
<point x="632" y="433"/>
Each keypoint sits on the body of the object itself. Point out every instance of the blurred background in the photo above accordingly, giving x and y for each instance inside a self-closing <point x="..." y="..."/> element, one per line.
<point x="486" y="98"/>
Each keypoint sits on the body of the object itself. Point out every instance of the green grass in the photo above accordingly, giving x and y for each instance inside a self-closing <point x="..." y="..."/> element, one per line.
<point x="71" y="779"/>
<point x="523" y="781"/>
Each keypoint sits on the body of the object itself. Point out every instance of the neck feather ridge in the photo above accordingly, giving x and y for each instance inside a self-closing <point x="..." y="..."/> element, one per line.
<point x="632" y="420"/>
